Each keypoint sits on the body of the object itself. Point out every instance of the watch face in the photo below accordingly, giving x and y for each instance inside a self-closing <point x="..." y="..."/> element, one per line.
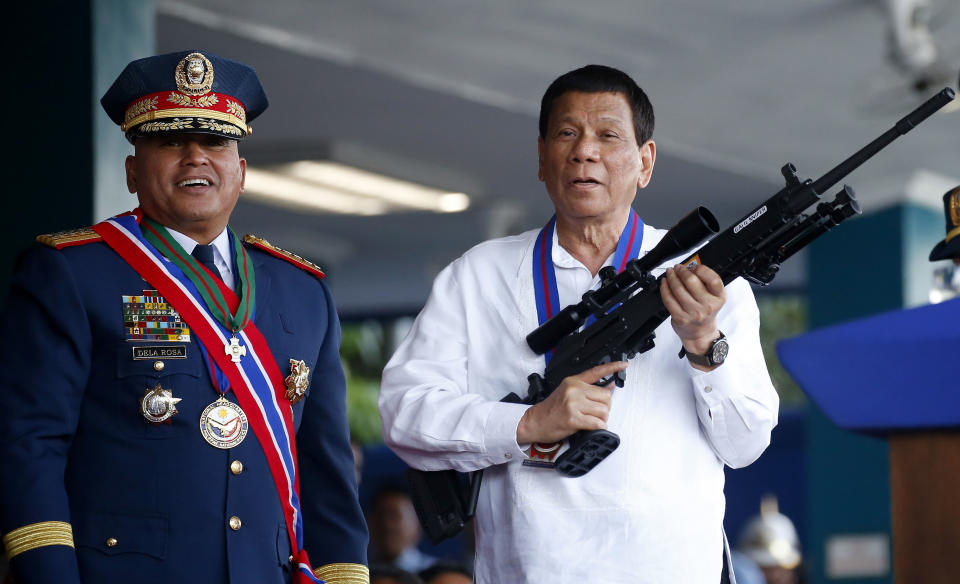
<point x="719" y="352"/>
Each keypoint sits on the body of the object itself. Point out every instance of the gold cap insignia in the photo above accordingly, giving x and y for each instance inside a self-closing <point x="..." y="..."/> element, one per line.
<point x="194" y="75"/>
<point x="298" y="381"/>
<point x="955" y="208"/>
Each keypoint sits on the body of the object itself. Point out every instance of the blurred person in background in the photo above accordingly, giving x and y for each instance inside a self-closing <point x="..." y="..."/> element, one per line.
<point x="745" y="569"/>
<point x="946" y="278"/>
<point x="380" y="574"/>
<point x="446" y="572"/>
<point x="949" y="248"/>
<point x="770" y="540"/>
<point x="395" y="531"/>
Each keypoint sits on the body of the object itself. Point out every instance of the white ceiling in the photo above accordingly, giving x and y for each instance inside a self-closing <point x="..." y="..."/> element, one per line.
<point x="447" y="92"/>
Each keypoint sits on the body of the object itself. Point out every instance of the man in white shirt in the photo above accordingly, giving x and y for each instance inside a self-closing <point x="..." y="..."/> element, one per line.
<point x="652" y="511"/>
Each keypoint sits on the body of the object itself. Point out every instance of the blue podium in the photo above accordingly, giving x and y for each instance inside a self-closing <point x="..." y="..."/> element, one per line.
<point x="898" y="375"/>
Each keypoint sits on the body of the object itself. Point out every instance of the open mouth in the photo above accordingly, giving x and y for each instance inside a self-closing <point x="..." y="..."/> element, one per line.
<point x="193" y="182"/>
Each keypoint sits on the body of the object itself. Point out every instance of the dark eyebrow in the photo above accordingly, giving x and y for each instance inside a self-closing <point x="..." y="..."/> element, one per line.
<point x="609" y="119"/>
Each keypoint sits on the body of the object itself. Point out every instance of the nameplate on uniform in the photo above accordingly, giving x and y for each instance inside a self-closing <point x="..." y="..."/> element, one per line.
<point x="149" y="317"/>
<point x="171" y="352"/>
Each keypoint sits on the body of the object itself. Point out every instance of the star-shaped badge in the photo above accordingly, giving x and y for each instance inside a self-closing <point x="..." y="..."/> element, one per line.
<point x="158" y="404"/>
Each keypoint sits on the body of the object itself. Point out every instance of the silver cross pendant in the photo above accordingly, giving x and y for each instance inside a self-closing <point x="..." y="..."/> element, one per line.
<point x="234" y="350"/>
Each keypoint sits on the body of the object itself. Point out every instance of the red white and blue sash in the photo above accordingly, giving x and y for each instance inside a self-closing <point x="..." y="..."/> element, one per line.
<point x="256" y="380"/>
<point x="544" y="275"/>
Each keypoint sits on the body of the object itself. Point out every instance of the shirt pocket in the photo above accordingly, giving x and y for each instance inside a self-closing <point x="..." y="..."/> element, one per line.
<point x="185" y="379"/>
<point x="113" y="533"/>
<point x="287" y="323"/>
<point x="283" y="548"/>
<point x="113" y="547"/>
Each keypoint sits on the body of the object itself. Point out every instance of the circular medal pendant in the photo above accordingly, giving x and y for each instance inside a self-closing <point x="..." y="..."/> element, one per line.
<point x="223" y="424"/>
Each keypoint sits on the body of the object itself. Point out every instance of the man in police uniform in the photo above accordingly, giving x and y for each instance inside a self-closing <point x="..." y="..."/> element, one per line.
<point x="172" y="404"/>
<point x="949" y="248"/>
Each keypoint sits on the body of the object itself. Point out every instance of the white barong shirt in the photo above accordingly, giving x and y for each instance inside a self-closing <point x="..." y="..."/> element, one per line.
<point x="652" y="511"/>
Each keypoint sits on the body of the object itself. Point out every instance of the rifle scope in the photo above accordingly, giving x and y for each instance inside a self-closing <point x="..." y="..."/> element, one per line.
<point x="693" y="228"/>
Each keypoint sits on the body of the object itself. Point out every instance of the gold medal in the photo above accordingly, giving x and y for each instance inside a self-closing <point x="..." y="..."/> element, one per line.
<point x="158" y="404"/>
<point x="223" y="424"/>
<point x="298" y="381"/>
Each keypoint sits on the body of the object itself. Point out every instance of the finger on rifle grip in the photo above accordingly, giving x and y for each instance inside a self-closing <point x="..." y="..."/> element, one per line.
<point x="597" y="373"/>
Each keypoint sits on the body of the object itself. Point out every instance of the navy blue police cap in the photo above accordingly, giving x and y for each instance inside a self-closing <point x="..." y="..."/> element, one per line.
<point x="188" y="91"/>
<point x="950" y="246"/>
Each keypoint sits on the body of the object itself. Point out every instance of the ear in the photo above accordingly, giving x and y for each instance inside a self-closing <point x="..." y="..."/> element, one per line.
<point x="130" y="165"/>
<point x="540" y="154"/>
<point x="648" y="156"/>
<point x="243" y="173"/>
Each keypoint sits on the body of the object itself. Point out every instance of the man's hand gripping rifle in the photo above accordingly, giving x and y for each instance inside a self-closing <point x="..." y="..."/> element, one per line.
<point x="628" y="308"/>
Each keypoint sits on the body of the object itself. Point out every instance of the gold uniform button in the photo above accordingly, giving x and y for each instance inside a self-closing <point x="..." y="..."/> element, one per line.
<point x="236" y="467"/>
<point x="111" y="542"/>
<point x="290" y="559"/>
<point x="158" y="365"/>
<point x="235" y="523"/>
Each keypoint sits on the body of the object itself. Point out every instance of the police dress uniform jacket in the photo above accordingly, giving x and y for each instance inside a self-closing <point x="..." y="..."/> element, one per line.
<point x="154" y="503"/>
<point x="652" y="511"/>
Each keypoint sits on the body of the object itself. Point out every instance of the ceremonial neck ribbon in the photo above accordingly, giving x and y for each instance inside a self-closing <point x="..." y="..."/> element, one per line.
<point x="205" y="282"/>
<point x="256" y="380"/>
<point x="544" y="275"/>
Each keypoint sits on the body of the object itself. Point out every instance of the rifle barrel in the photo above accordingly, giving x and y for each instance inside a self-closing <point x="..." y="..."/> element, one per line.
<point x="907" y="123"/>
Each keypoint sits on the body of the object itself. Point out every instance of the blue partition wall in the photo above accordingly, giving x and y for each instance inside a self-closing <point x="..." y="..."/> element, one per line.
<point x="780" y="471"/>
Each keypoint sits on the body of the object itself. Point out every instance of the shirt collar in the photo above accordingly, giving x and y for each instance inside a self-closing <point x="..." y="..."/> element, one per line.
<point x="563" y="259"/>
<point x="221" y="244"/>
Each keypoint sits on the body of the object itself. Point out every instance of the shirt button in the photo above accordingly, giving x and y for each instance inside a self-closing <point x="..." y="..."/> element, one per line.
<point x="236" y="467"/>
<point x="508" y="456"/>
<point x="158" y="365"/>
<point x="707" y="389"/>
<point x="235" y="523"/>
<point x="112" y="542"/>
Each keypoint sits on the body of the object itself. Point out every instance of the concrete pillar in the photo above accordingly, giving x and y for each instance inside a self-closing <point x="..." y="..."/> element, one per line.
<point x="124" y="30"/>
<point x="67" y="170"/>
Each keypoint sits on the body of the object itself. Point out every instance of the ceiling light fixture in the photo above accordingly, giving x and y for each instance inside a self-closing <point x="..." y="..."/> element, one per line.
<point x="333" y="187"/>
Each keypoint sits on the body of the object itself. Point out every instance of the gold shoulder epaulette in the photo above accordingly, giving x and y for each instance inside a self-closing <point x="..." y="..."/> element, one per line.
<point x="283" y="254"/>
<point x="62" y="239"/>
